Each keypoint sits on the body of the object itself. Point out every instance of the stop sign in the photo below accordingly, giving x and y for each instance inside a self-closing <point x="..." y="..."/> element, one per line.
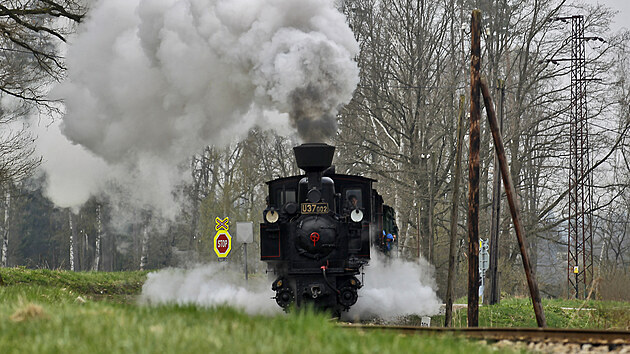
<point x="222" y="243"/>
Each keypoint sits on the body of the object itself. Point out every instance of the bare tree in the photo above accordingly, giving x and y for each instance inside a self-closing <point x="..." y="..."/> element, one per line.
<point x="400" y="126"/>
<point x="32" y="31"/>
<point x="30" y="35"/>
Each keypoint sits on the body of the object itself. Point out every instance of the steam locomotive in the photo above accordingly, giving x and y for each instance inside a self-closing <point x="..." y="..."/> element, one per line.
<point x="318" y="229"/>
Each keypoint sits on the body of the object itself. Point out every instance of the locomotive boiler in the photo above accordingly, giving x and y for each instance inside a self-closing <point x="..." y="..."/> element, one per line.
<point x="318" y="229"/>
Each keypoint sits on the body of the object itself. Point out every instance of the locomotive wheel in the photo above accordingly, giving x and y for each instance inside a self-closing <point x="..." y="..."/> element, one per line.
<point x="285" y="297"/>
<point x="335" y="313"/>
<point x="347" y="296"/>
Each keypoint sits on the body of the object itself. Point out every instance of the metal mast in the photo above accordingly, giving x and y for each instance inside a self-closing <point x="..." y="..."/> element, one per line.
<point x="580" y="235"/>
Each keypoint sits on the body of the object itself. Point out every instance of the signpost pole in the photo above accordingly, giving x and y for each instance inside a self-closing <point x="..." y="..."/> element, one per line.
<point x="245" y="245"/>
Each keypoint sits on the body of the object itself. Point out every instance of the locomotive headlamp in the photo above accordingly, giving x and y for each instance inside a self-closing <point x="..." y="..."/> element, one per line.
<point x="356" y="215"/>
<point x="271" y="216"/>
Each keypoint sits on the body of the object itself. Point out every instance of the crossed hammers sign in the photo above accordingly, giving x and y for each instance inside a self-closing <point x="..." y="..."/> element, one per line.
<point x="222" y="224"/>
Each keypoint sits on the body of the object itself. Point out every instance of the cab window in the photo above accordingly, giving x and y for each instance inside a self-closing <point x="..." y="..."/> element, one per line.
<point x="353" y="198"/>
<point x="284" y="196"/>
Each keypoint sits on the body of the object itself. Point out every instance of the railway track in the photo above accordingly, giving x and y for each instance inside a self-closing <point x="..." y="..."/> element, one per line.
<point x="546" y="335"/>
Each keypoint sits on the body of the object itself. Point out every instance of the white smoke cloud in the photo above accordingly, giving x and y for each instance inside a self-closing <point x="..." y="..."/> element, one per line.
<point x="394" y="287"/>
<point x="210" y="285"/>
<point x="151" y="82"/>
<point x="73" y="171"/>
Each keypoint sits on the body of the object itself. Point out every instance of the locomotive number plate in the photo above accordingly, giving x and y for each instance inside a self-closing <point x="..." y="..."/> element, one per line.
<point x="314" y="208"/>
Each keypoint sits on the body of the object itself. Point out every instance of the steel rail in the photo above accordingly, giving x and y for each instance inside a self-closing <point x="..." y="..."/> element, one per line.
<point x="558" y="335"/>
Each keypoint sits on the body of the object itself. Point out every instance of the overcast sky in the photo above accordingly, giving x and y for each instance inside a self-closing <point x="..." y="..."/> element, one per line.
<point x="622" y="20"/>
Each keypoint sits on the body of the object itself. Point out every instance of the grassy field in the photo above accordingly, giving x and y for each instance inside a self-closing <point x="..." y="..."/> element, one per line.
<point x="118" y="287"/>
<point x="45" y="311"/>
<point x="559" y="313"/>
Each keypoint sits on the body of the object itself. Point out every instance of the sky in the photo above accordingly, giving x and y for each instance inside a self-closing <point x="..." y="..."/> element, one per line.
<point x="622" y="20"/>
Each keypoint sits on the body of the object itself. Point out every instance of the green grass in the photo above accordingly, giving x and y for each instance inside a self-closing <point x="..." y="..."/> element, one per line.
<point x="559" y="313"/>
<point x="85" y="283"/>
<point x="57" y="312"/>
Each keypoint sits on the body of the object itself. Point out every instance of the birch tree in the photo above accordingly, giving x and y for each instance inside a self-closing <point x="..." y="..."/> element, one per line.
<point x="5" y="229"/>
<point x="71" y="241"/>
<point x="144" y="251"/>
<point x="99" y="231"/>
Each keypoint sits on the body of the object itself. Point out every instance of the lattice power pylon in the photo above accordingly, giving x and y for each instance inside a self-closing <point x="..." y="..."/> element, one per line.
<point x="580" y="235"/>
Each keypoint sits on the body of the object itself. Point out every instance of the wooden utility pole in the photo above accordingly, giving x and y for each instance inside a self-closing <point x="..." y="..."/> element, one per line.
<point x="473" y="186"/>
<point x="496" y="213"/>
<point x="453" y="241"/>
<point x="473" y="172"/>
<point x="511" y="197"/>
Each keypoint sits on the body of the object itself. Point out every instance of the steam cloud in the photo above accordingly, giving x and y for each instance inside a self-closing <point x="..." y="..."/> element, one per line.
<point x="151" y="82"/>
<point x="209" y="285"/>
<point x="393" y="288"/>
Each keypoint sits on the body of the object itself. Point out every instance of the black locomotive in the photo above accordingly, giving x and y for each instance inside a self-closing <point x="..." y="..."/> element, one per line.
<point x="318" y="229"/>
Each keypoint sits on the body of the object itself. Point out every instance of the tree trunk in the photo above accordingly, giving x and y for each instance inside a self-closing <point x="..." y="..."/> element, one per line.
<point x="99" y="230"/>
<point x="398" y="206"/>
<point x="425" y="208"/>
<point x="145" y="247"/>
<point x="493" y="272"/>
<point x="71" y="240"/>
<point x="453" y="226"/>
<point x="197" y="178"/>
<point x="83" y="257"/>
<point x="431" y="209"/>
<point x="5" y="231"/>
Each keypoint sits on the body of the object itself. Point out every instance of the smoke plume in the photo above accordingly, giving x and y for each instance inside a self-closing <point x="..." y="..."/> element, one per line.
<point x="394" y="287"/>
<point x="210" y="285"/>
<point x="151" y="82"/>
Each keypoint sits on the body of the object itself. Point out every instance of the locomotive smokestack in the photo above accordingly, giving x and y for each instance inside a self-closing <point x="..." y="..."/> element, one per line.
<point x="314" y="157"/>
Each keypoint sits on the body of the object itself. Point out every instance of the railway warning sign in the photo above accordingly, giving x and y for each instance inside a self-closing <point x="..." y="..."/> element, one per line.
<point x="222" y="244"/>
<point x="222" y="224"/>
<point x="222" y="239"/>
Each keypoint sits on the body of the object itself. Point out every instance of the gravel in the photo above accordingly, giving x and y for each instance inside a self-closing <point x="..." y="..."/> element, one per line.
<point x="541" y="347"/>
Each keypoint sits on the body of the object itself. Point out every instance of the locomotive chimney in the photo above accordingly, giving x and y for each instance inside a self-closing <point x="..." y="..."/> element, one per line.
<point x="314" y="158"/>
